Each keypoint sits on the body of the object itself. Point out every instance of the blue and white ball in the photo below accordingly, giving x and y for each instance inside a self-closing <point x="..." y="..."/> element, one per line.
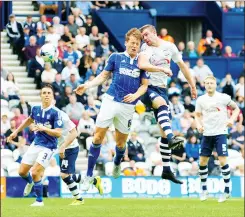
<point x="49" y="53"/>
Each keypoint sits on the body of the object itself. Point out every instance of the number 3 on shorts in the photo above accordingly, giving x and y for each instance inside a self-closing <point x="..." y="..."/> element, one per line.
<point x="45" y="156"/>
<point x="224" y="149"/>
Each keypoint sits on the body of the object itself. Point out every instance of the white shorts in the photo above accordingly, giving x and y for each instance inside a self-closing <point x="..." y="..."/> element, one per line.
<point x="119" y="114"/>
<point x="39" y="154"/>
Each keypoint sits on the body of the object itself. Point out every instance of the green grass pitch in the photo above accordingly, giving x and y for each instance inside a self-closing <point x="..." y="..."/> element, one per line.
<point x="59" y="207"/>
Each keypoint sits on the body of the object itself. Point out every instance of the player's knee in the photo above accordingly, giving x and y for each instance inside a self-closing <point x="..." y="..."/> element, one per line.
<point x="98" y="138"/>
<point x="22" y="172"/>
<point x="36" y="175"/>
<point x="121" y="144"/>
<point x="63" y="175"/>
<point x="203" y="162"/>
<point x="222" y="162"/>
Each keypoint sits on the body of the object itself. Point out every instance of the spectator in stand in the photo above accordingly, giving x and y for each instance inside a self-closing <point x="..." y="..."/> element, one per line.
<point x="105" y="49"/>
<point x="130" y="4"/>
<point x="43" y="23"/>
<point x="26" y="36"/>
<point x="181" y="47"/>
<point x="164" y="35"/>
<point x="95" y="37"/>
<point x="36" y="68"/>
<point x="80" y="19"/>
<point x="176" y="107"/>
<point x="191" y="50"/>
<point x="213" y="49"/>
<point x="82" y="39"/>
<point x="86" y="63"/>
<point x="238" y="138"/>
<point x="123" y="6"/>
<point x="240" y="116"/>
<point x="181" y="76"/>
<point x="92" y="108"/>
<point x="68" y="70"/>
<point x="48" y="75"/>
<point x="30" y="24"/>
<point x="188" y="105"/>
<point x="52" y="37"/>
<point x="241" y="52"/>
<point x="192" y="131"/>
<point x="50" y="5"/>
<point x="238" y="7"/>
<point x="25" y="107"/>
<point x="73" y="82"/>
<point x="85" y="128"/>
<point x="201" y="71"/>
<point x="113" y="4"/>
<point x="135" y="149"/>
<point x="173" y="89"/>
<point x="11" y="87"/>
<point x="101" y="4"/>
<point x="89" y="24"/>
<point x="137" y="6"/>
<point x="58" y="64"/>
<point x="68" y="38"/>
<point x="30" y="51"/>
<point x="207" y="41"/>
<point x="93" y="71"/>
<point x="85" y="6"/>
<point x="240" y="87"/>
<point x="18" y="117"/>
<point x="4" y="93"/>
<point x="5" y="123"/>
<point x="106" y="152"/>
<point x="228" y="52"/>
<point x="61" y="49"/>
<point x="192" y="149"/>
<point x="74" y="109"/>
<point x="72" y="56"/>
<point x="40" y="37"/>
<point x="15" y="33"/>
<point x="176" y="127"/>
<point x="224" y="6"/>
<point x="228" y="85"/>
<point x="59" y="87"/>
<point x="64" y="100"/>
<point x="58" y="28"/>
<point x="73" y="27"/>
<point x="17" y="141"/>
<point x="186" y="121"/>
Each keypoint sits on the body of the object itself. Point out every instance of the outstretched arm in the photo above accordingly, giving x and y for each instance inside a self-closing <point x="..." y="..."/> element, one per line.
<point x="144" y="64"/>
<point x="98" y="80"/>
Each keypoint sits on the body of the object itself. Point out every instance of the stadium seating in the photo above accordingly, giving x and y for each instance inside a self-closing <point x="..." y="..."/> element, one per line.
<point x="6" y="158"/>
<point x="13" y="169"/>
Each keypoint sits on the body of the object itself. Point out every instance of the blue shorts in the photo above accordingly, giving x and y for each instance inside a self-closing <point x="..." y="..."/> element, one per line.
<point x="153" y="92"/>
<point x="67" y="164"/>
<point x="218" y="142"/>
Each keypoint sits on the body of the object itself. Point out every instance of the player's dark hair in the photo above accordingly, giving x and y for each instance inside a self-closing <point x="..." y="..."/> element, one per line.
<point x="46" y="85"/>
<point x="148" y="26"/>
<point x="133" y="32"/>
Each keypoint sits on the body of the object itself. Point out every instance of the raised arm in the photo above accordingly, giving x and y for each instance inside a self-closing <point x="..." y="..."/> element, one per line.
<point x="98" y="80"/>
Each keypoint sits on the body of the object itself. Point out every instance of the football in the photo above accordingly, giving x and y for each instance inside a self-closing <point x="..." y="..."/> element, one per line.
<point x="49" y="53"/>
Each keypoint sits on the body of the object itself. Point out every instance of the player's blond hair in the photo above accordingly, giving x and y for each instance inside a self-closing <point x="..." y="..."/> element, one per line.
<point x="133" y="32"/>
<point x="148" y="26"/>
<point x="210" y="77"/>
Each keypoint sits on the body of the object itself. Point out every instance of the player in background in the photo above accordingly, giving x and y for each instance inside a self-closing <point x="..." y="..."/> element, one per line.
<point x="48" y="127"/>
<point x="212" y="120"/>
<point x="156" y="54"/>
<point x="68" y="151"/>
<point x="118" y="104"/>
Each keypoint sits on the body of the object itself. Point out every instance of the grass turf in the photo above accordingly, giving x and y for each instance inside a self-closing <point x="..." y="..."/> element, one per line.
<point x="59" y="207"/>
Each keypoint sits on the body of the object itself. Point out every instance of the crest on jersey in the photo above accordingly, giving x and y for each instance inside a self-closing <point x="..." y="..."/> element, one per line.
<point x="59" y="122"/>
<point x="48" y="116"/>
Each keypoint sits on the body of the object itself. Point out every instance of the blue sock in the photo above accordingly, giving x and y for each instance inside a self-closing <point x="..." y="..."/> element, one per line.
<point x="164" y="121"/>
<point x="119" y="155"/>
<point x="166" y="154"/>
<point x="38" y="188"/>
<point x="93" y="155"/>
<point x="28" y="178"/>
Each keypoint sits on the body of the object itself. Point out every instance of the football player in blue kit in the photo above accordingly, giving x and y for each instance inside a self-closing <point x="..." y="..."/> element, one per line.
<point x="48" y="127"/>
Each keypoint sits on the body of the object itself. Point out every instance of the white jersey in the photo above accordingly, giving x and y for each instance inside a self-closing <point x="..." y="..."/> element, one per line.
<point x="161" y="56"/>
<point x="214" y="112"/>
<point x="68" y="125"/>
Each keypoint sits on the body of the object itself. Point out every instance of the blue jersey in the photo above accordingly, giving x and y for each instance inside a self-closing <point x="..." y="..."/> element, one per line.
<point x="126" y="76"/>
<point x="49" y="118"/>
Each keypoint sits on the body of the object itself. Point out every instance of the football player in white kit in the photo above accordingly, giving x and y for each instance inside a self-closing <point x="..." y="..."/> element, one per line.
<point x="212" y="120"/>
<point x="157" y="53"/>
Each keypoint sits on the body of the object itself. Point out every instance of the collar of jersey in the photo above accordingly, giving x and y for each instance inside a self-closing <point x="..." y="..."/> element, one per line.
<point x="127" y="55"/>
<point x="46" y="109"/>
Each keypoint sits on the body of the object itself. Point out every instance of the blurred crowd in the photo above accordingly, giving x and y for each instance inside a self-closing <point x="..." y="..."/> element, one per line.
<point x="83" y="51"/>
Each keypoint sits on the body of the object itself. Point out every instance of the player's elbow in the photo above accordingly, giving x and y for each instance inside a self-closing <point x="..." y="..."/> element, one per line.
<point x="58" y="133"/>
<point x="142" y="65"/>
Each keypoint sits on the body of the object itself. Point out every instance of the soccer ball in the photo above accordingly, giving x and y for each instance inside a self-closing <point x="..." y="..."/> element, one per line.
<point x="49" y="53"/>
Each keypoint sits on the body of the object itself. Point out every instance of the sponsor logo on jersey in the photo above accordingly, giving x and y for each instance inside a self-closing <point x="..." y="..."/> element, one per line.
<point x="132" y="73"/>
